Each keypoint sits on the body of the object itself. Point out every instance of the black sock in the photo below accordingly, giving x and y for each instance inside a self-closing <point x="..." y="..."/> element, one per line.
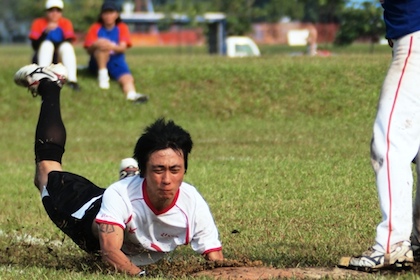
<point x="50" y="135"/>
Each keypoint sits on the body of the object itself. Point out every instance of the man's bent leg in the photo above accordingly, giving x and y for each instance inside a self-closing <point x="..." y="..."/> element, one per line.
<point x="41" y="172"/>
<point x="71" y="201"/>
<point x="50" y="135"/>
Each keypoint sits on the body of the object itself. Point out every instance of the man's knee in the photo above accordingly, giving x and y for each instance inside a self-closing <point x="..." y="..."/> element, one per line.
<point x="47" y="46"/>
<point x="43" y="168"/>
<point x="65" y="48"/>
<point x="46" y="53"/>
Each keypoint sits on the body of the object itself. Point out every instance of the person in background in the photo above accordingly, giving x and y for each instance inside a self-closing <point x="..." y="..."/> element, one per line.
<point x="312" y="45"/>
<point x="52" y="37"/>
<point x="106" y="42"/>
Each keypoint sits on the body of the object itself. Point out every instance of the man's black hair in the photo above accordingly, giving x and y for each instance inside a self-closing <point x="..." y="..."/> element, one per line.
<point x="161" y="135"/>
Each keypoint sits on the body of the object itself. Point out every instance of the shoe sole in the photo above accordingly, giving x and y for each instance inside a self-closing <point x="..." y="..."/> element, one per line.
<point x="397" y="266"/>
<point x="140" y="100"/>
<point x="25" y="76"/>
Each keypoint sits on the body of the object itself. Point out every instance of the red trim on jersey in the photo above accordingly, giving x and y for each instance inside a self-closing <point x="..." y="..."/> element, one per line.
<point x="156" y="247"/>
<point x="212" y="250"/>
<point x="98" y="221"/>
<point x="124" y="34"/>
<point x="39" y="25"/>
<point x="149" y="203"/>
<point x="92" y="34"/>
<point x="388" y="144"/>
<point x="187" y="234"/>
<point x="129" y="219"/>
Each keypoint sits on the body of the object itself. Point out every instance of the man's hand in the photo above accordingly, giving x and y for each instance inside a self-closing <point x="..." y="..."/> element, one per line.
<point x="214" y="256"/>
<point x="103" y="44"/>
<point x="51" y="26"/>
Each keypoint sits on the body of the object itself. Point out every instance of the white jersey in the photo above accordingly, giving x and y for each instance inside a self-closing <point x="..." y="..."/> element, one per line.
<point x="149" y="233"/>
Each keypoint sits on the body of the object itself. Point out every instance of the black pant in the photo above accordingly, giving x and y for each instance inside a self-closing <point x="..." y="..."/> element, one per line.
<point x="68" y="192"/>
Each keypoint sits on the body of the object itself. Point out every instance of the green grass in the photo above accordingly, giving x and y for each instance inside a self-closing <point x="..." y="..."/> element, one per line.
<point x="281" y="152"/>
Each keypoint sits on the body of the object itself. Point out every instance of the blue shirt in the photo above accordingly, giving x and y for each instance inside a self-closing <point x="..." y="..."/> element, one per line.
<point x="112" y="35"/>
<point x="56" y="35"/>
<point x="401" y="17"/>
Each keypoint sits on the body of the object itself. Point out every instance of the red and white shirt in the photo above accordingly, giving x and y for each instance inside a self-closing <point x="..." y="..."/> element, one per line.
<point x="148" y="233"/>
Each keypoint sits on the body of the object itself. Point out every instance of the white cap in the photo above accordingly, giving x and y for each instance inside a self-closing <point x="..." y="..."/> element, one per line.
<point x="128" y="168"/>
<point x="127" y="162"/>
<point x="54" y="4"/>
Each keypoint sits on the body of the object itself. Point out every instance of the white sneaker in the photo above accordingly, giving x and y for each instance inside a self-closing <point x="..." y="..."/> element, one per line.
<point x="104" y="83"/>
<point x="30" y="75"/>
<point x="138" y="98"/>
<point x="401" y="256"/>
<point x="103" y="79"/>
<point x="128" y="168"/>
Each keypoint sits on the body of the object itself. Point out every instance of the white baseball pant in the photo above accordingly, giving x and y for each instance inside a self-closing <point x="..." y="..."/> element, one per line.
<point x="66" y="55"/>
<point x="396" y="141"/>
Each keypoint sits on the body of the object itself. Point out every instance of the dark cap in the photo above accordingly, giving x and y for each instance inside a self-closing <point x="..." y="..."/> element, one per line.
<point x="109" y="6"/>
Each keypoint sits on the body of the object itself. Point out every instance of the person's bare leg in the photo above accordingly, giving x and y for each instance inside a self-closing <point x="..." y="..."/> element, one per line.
<point x="41" y="172"/>
<point x="102" y="58"/>
<point x="126" y="82"/>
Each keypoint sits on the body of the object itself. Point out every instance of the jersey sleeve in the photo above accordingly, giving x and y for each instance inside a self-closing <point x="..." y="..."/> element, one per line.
<point x="37" y="28"/>
<point x="205" y="237"/>
<point x="115" y="208"/>
<point x="67" y="27"/>
<point x="91" y="35"/>
<point x="124" y="34"/>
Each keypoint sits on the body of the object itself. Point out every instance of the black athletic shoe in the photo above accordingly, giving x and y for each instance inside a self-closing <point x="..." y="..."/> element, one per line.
<point x="140" y="98"/>
<point x="74" y="86"/>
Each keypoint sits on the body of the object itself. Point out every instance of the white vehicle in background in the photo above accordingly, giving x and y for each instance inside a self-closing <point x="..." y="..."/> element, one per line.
<point x="241" y="46"/>
<point x="232" y="46"/>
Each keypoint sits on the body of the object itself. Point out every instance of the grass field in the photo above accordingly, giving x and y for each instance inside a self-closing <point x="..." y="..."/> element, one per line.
<point x="281" y="154"/>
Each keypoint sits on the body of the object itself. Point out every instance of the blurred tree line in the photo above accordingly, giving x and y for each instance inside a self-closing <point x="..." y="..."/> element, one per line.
<point x="365" y="20"/>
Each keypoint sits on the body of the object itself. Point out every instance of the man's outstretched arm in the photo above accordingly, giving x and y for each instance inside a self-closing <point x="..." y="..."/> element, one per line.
<point x="111" y="240"/>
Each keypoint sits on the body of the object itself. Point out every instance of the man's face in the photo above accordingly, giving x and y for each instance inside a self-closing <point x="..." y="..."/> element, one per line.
<point x="54" y="14"/>
<point x="109" y="17"/>
<point x="164" y="175"/>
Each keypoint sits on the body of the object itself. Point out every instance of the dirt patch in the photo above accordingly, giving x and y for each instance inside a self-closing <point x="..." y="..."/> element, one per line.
<point x="255" y="270"/>
<point x="51" y="256"/>
<point x="250" y="273"/>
